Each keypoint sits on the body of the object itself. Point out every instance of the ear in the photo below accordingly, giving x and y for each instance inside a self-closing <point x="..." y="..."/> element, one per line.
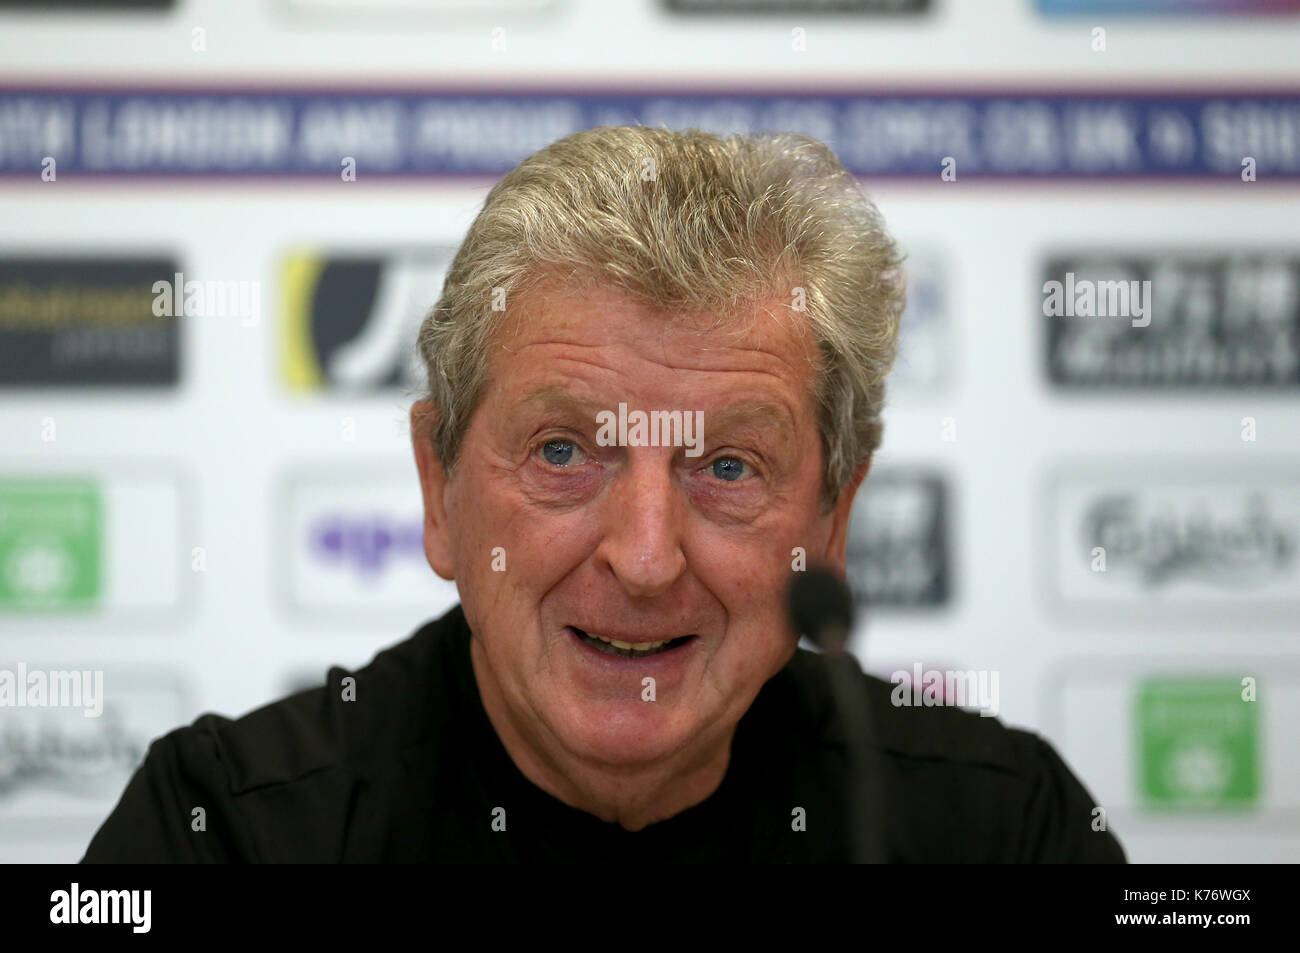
<point x="433" y="481"/>
<point x="835" y="554"/>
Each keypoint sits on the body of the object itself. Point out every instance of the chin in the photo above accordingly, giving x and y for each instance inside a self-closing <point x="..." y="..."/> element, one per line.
<point x="627" y="732"/>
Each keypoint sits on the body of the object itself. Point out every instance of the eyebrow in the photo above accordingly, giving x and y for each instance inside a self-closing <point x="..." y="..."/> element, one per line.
<point x="742" y="414"/>
<point x="555" y="397"/>
<point x="751" y="414"/>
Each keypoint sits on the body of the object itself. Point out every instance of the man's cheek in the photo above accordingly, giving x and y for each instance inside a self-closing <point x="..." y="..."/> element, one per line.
<point x="478" y="543"/>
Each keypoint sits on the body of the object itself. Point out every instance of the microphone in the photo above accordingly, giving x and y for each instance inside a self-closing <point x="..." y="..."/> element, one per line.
<point x="821" y="608"/>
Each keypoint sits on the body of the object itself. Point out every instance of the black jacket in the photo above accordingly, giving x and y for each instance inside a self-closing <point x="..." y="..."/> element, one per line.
<point x="412" y="771"/>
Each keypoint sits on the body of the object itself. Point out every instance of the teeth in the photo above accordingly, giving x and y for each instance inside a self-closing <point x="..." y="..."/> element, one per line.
<point x="631" y="646"/>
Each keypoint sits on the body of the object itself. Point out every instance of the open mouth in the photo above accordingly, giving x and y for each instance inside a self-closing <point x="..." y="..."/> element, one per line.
<point x="629" y="649"/>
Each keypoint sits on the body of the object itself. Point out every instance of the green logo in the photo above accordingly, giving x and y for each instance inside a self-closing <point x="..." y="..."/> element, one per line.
<point x="1197" y="744"/>
<point x="51" y="535"/>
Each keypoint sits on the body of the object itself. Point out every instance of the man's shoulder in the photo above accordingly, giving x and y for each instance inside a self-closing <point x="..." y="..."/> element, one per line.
<point x="912" y="731"/>
<point x="967" y="786"/>
<point x="907" y="729"/>
<point x="356" y="718"/>
<point x="307" y="778"/>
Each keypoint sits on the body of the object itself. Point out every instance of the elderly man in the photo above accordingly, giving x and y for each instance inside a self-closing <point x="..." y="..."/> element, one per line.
<point x="656" y="373"/>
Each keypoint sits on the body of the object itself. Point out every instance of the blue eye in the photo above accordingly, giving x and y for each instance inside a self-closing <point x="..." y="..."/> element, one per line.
<point x="558" y="452"/>
<point x="728" y="468"/>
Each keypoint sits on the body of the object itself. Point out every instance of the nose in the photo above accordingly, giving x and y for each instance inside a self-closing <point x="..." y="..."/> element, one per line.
<point x="643" y="518"/>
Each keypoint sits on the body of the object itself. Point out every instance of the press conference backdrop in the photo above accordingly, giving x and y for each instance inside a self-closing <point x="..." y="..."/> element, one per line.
<point x="207" y="493"/>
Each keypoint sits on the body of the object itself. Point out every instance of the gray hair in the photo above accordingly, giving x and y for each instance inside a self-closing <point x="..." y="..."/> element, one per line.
<point x="683" y="221"/>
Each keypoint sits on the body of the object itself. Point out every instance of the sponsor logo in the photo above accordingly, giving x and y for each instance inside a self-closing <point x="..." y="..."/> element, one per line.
<point x="898" y="541"/>
<point x="85" y="322"/>
<point x="1171" y="7"/>
<point x="803" y="7"/>
<point x="46" y="6"/>
<point x="51" y="542"/>
<point x="1209" y="321"/>
<point x="301" y="680"/>
<point x="52" y="754"/>
<point x="1231" y="547"/>
<point x="358" y="543"/>
<point x="367" y="542"/>
<point x="389" y="11"/>
<point x="58" y="765"/>
<point x="1012" y="137"/>
<point x="112" y="538"/>
<point x="1197" y="744"/>
<point x="352" y="323"/>
<point x="1179" y="541"/>
<point x="1183" y="737"/>
<point x="924" y="344"/>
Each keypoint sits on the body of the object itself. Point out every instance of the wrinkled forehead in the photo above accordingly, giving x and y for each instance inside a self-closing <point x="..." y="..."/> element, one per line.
<point x="588" y="314"/>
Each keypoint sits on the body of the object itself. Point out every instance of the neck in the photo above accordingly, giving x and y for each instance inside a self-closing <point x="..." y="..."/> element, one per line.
<point x="633" y="796"/>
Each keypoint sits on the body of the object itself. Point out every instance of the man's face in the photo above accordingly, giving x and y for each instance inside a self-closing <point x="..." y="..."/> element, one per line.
<point x="556" y="541"/>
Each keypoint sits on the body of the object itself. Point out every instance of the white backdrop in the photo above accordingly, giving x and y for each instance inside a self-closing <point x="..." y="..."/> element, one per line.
<point x="255" y="475"/>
